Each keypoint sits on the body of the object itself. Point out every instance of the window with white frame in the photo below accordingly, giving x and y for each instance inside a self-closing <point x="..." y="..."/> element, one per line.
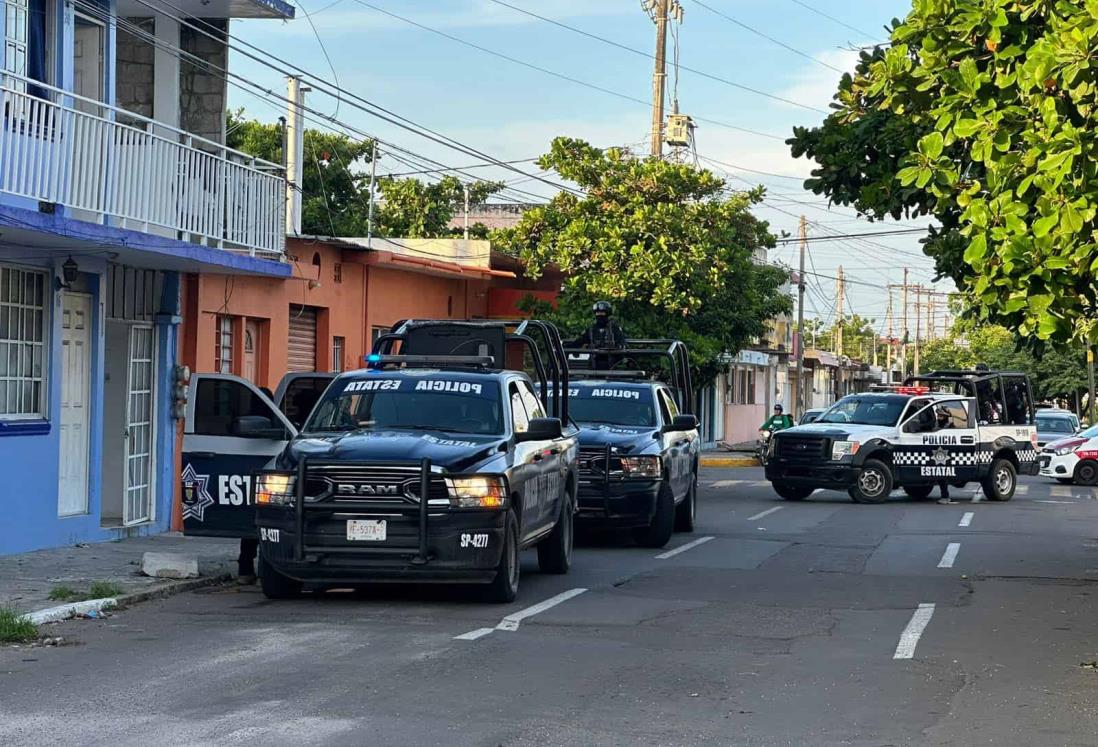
<point x="22" y="343"/>
<point x="16" y="17"/>
<point x="337" y="354"/>
<point x="223" y="334"/>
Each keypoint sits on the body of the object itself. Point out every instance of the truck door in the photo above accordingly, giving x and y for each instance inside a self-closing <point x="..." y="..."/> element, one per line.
<point x="676" y="446"/>
<point x="297" y="393"/>
<point x="231" y="430"/>
<point x="937" y="443"/>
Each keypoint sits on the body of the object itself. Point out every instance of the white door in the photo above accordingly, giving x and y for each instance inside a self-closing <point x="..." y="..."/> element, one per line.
<point x="75" y="407"/>
<point x="140" y="426"/>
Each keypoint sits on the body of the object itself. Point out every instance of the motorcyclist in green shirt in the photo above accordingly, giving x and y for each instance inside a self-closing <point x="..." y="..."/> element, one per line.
<point x="778" y="421"/>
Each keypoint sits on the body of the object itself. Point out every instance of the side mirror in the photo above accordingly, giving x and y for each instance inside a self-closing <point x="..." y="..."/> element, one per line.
<point x="682" y="423"/>
<point x="541" y="429"/>
<point x="257" y="426"/>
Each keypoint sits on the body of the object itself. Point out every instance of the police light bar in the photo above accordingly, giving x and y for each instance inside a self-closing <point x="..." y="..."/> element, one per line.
<point x="380" y="361"/>
<point x="912" y="390"/>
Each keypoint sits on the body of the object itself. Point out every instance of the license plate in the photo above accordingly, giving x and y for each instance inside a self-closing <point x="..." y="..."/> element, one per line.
<point x="366" y="531"/>
<point x="1045" y="461"/>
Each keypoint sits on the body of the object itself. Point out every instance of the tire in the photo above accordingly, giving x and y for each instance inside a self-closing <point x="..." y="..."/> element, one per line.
<point x="1001" y="481"/>
<point x="275" y="585"/>
<point x="505" y="584"/>
<point x="918" y="492"/>
<point x="874" y="483"/>
<point x="658" y="532"/>
<point x="555" y="551"/>
<point x="792" y="492"/>
<point x="686" y="513"/>
<point x="1086" y="472"/>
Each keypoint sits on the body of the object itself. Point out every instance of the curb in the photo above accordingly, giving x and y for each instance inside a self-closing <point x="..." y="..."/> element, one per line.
<point x="66" y="611"/>
<point x="729" y="461"/>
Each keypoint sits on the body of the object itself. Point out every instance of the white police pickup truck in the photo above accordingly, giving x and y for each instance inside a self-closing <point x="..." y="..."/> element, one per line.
<point x="952" y="427"/>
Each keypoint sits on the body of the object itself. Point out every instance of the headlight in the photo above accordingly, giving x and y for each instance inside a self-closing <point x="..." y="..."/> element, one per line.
<point x="841" y="449"/>
<point x="641" y="466"/>
<point x="275" y="488"/>
<point x="1063" y="450"/>
<point x="477" y="492"/>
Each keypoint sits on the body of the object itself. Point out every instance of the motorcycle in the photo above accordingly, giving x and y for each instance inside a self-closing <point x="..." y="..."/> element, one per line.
<point x="763" y="446"/>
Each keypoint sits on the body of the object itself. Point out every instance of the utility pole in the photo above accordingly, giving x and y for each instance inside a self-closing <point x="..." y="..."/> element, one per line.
<point x="659" y="77"/>
<point x="370" y="209"/>
<point x="798" y="381"/>
<point x="465" y="189"/>
<point x="841" y="314"/>
<point x="295" y="152"/>
<point x="888" y="353"/>
<point x="918" y="326"/>
<point x="903" y="343"/>
<point x="1090" y="381"/>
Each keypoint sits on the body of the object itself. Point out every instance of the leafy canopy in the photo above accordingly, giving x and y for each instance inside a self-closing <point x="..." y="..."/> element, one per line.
<point x="666" y="242"/>
<point x="982" y="113"/>
<point x="336" y="187"/>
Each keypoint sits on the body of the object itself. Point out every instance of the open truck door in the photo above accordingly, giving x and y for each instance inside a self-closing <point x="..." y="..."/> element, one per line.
<point x="232" y="429"/>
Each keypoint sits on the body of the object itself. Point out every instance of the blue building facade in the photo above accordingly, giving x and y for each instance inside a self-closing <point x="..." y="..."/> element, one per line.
<point x="106" y="200"/>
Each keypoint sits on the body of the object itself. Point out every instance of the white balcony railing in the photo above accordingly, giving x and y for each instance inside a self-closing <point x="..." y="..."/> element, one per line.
<point x="57" y="147"/>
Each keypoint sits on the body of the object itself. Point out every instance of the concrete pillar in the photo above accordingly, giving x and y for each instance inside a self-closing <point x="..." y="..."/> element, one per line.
<point x="166" y="73"/>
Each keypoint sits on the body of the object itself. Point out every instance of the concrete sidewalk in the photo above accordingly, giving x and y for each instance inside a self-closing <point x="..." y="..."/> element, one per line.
<point x="26" y="580"/>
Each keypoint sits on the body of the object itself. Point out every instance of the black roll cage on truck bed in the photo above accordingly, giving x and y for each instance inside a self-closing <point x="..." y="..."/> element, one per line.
<point x="966" y="381"/>
<point x="634" y="352"/>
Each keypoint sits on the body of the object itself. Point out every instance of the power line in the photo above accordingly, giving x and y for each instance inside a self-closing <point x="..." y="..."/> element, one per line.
<point x="548" y="71"/>
<point x="650" y="56"/>
<point x="474" y="166"/>
<point x="319" y="84"/>
<point x="769" y="38"/>
<point x="734" y="167"/>
<point x="897" y="232"/>
<point x="809" y="8"/>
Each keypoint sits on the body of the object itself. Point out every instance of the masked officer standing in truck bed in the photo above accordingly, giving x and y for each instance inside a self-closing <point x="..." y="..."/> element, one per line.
<point x="604" y="334"/>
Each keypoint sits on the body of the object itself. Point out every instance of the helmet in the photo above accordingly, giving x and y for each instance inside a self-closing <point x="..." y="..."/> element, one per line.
<point x="602" y="307"/>
<point x="778" y="408"/>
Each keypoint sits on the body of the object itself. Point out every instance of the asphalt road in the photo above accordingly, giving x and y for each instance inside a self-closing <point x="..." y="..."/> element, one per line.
<point x="777" y="624"/>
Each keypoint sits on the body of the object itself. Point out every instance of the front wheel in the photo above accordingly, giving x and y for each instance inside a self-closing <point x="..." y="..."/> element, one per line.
<point x="1001" y="481"/>
<point x="274" y="584"/>
<point x="687" y="512"/>
<point x="874" y="483"/>
<point x="505" y="584"/>
<point x="1086" y="472"/>
<point x="792" y="492"/>
<point x="659" y="530"/>
<point x="555" y="551"/>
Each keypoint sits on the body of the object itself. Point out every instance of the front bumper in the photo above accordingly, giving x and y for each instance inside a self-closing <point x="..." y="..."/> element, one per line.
<point x="462" y="547"/>
<point x="823" y="475"/>
<point x="1051" y="465"/>
<point x="617" y="503"/>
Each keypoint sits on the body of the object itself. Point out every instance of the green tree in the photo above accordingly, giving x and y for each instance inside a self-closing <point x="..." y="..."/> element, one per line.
<point x="981" y="113"/>
<point x="665" y="242"/>
<point x="335" y="186"/>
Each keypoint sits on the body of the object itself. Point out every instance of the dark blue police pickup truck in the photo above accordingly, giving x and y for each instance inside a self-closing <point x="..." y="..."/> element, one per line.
<point x="639" y="453"/>
<point x="436" y="463"/>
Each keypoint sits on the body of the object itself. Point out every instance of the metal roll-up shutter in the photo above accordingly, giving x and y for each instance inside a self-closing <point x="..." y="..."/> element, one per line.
<point x="301" y="352"/>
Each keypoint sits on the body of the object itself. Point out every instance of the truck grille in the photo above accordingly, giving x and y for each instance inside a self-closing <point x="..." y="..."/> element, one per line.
<point x="592" y="461"/>
<point x="802" y="448"/>
<point x="388" y="485"/>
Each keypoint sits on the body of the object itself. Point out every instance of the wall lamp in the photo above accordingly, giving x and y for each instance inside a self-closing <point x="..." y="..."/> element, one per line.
<point x="70" y="272"/>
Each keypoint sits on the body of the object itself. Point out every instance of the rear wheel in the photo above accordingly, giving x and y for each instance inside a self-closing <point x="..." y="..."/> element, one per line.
<point x="874" y="483"/>
<point x="1086" y="472"/>
<point x="1001" y="481"/>
<point x="918" y="492"/>
<point x="792" y="492"/>
<point x="687" y="511"/>
<point x="555" y="551"/>
<point x="274" y="584"/>
<point x="504" y="586"/>
<point x="659" y="530"/>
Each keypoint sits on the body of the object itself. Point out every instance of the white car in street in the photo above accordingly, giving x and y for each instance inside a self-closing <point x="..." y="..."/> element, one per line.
<point x="1073" y="459"/>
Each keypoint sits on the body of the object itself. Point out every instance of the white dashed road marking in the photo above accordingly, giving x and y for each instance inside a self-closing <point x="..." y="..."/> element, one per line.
<point x="950" y="555"/>
<point x="1062" y="503"/>
<point x="684" y="548"/>
<point x="1021" y="489"/>
<point x="512" y="621"/>
<point x="767" y="512"/>
<point x="909" y="639"/>
<point x="966" y="520"/>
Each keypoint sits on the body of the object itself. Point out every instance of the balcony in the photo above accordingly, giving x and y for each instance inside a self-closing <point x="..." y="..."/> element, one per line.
<point x="110" y="166"/>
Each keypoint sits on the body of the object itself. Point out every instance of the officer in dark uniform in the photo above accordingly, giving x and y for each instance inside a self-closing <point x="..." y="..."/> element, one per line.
<point x="604" y="334"/>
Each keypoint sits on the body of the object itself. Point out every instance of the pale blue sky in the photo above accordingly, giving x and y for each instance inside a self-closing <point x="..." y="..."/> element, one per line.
<point x="512" y="112"/>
